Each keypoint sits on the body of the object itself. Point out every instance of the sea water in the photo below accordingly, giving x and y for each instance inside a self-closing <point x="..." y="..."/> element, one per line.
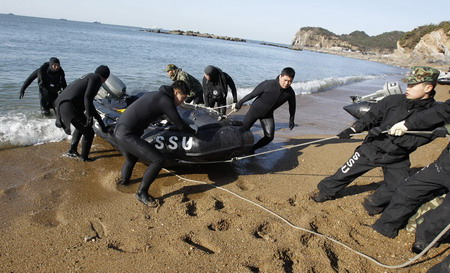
<point x="138" y="58"/>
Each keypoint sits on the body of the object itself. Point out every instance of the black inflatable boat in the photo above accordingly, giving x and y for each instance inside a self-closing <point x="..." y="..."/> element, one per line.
<point x="217" y="139"/>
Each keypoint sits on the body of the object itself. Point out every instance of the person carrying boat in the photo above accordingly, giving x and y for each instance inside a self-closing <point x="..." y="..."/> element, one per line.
<point x="195" y="88"/>
<point x="131" y="125"/>
<point x="426" y="184"/>
<point x="75" y="105"/>
<point x="215" y="88"/>
<point x="380" y="149"/>
<point x="51" y="81"/>
<point x="269" y="95"/>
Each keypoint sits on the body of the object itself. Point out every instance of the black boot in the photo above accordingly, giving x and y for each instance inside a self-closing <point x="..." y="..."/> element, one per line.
<point x="146" y="199"/>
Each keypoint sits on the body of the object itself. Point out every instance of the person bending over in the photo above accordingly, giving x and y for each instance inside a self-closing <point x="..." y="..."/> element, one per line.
<point x="195" y="88"/>
<point x="215" y="88"/>
<point x="75" y="105"/>
<point x="131" y="125"/>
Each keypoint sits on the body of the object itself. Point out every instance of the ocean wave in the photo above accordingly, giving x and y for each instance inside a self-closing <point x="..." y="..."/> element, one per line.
<point x="305" y="88"/>
<point x="20" y="129"/>
<point x="309" y="87"/>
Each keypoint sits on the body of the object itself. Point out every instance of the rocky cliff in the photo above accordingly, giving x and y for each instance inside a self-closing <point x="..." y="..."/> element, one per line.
<point x="432" y="48"/>
<point x="319" y="39"/>
<point x="425" y="45"/>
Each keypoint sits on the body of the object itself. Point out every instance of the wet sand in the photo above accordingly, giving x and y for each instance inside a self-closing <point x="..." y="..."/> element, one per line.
<point x="62" y="215"/>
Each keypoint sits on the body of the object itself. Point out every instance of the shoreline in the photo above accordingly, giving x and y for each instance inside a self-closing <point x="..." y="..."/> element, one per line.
<point x="385" y="59"/>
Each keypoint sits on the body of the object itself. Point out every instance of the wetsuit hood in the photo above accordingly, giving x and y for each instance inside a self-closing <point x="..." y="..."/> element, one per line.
<point x="213" y="72"/>
<point x="166" y="90"/>
<point x="53" y="60"/>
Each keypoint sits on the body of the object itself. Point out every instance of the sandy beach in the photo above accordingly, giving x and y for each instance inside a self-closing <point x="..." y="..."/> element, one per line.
<point x="63" y="215"/>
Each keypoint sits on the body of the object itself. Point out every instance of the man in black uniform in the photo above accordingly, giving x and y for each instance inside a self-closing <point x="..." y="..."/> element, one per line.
<point x="51" y="80"/>
<point x="431" y="181"/>
<point x="380" y="149"/>
<point x="270" y="95"/>
<point x="75" y="106"/>
<point x="215" y="88"/>
<point x="131" y="125"/>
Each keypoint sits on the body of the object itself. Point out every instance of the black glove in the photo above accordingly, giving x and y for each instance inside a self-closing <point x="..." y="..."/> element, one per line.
<point x="22" y="92"/>
<point x="238" y="105"/>
<point x="346" y="134"/>
<point x="291" y="123"/>
<point x="375" y="131"/>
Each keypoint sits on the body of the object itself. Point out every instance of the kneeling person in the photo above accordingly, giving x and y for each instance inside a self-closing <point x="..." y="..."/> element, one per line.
<point x="131" y="125"/>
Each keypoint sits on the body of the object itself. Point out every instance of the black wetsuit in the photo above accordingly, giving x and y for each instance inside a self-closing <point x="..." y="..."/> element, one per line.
<point x="215" y="90"/>
<point x="131" y="125"/>
<point x="269" y="96"/>
<point x="75" y="105"/>
<point x="431" y="181"/>
<point x="50" y="84"/>
<point x="382" y="150"/>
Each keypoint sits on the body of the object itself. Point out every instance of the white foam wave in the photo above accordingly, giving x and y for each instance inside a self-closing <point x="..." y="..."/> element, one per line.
<point x="19" y="129"/>
<point x="308" y="87"/>
<point x="303" y="88"/>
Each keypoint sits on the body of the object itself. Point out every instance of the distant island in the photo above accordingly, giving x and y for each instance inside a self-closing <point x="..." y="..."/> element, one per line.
<point x="194" y="33"/>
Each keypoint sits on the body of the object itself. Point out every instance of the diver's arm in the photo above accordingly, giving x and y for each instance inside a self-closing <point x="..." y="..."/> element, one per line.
<point x="27" y="82"/>
<point x="255" y="93"/>
<point x="92" y="88"/>
<point x="232" y="86"/>
<point x="172" y="114"/>
<point x="63" y="79"/>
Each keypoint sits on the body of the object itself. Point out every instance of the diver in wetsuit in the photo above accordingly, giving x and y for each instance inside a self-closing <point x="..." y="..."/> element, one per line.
<point x="215" y="88"/>
<point x="131" y="125"/>
<point x="269" y="95"/>
<point x="51" y="80"/>
<point x="75" y="106"/>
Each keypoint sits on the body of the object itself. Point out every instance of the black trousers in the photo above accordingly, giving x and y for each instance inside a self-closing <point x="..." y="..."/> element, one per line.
<point x="358" y="165"/>
<point x="220" y="102"/>
<point x="423" y="186"/>
<point x="47" y="101"/>
<point x="83" y="132"/>
<point x="267" y="125"/>
<point x="134" y="148"/>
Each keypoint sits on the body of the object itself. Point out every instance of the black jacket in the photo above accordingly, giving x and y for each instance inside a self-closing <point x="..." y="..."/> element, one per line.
<point x="269" y="96"/>
<point x="48" y="80"/>
<point x="430" y="119"/>
<point x="220" y="82"/>
<point x="148" y="108"/>
<point x="384" y="148"/>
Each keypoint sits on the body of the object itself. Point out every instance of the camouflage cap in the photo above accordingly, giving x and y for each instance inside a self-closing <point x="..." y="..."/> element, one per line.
<point x="420" y="74"/>
<point x="170" y="67"/>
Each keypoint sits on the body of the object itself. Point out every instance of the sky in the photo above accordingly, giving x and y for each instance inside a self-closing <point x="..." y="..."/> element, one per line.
<point x="265" y="20"/>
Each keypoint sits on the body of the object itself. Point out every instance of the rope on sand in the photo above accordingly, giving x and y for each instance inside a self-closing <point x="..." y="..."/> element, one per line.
<point x="410" y="261"/>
